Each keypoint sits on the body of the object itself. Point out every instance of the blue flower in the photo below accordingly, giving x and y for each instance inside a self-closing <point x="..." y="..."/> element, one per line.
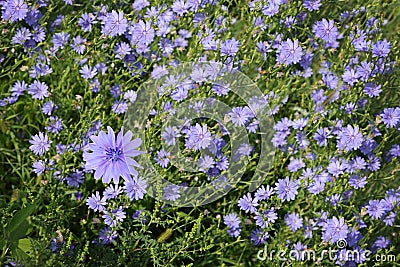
<point x="15" y="10"/>
<point x="130" y="95"/>
<point x="142" y="34"/>
<point x="198" y="137"/>
<point x="112" y="191"/>
<point x="380" y="242"/>
<point x="302" y="140"/>
<point x="390" y="218"/>
<point x="38" y="90"/>
<point x="86" y="21"/>
<point x="294" y="221"/>
<point x="18" y="88"/>
<point x="286" y="189"/>
<point x="39" y="167"/>
<point x="40" y="144"/>
<point x="21" y="36"/>
<point x="372" y="89"/>
<point x="376" y="209"/>
<point x="336" y="167"/>
<point x="271" y="8"/>
<point x="180" y="7"/>
<point x="321" y="136"/>
<point x="350" y="138"/>
<point x="106" y="235"/>
<point x="240" y="115"/>
<point x="60" y="39"/>
<point x="243" y="150"/>
<point x="248" y="204"/>
<point x="135" y="188"/>
<point x="312" y="4"/>
<point x="96" y="203"/>
<point x="162" y="158"/>
<point x="328" y="32"/>
<point x="204" y="163"/>
<point x="75" y="178"/>
<point x="390" y="117"/>
<point x="258" y="236"/>
<point x="119" y="107"/>
<point x="232" y="220"/>
<point x="234" y="232"/>
<point x="112" y="157"/>
<point x="169" y="135"/>
<point x="230" y="47"/>
<point x="114" y="24"/>
<point x="171" y="192"/>
<point x="289" y="52"/>
<point x="350" y="76"/>
<point x="263" y="193"/>
<point x="78" y="44"/>
<point x="33" y="16"/>
<point x="381" y="48"/>
<point x="364" y="71"/>
<point x="140" y="4"/>
<point x="88" y="72"/>
<point x="296" y="164"/>
<point x="374" y="163"/>
<point x="55" y="125"/>
<point x="357" y="181"/>
<point x="263" y="219"/>
<point x="40" y="69"/>
<point x="113" y="217"/>
<point x="334" y="230"/>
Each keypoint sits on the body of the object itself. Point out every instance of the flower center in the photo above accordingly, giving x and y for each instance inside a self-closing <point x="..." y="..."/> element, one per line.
<point x="287" y="189"/>
<point x="135" y="188"/>
<point x="114" y="154"/>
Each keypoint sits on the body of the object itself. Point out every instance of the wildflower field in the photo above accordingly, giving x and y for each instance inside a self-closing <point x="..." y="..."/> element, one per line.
<point x="199" y="133"/>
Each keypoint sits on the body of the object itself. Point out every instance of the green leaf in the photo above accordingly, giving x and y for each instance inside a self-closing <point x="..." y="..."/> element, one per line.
<point x="19" y="254"/>
<point x="181" y="214"/>
<point x="18" y="223"/>
<point x="25" y="244"/>
<point x="20" y="232"/>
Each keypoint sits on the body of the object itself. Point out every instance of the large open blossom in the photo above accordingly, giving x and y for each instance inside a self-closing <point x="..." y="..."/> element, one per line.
<point x="112" y="157"/>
